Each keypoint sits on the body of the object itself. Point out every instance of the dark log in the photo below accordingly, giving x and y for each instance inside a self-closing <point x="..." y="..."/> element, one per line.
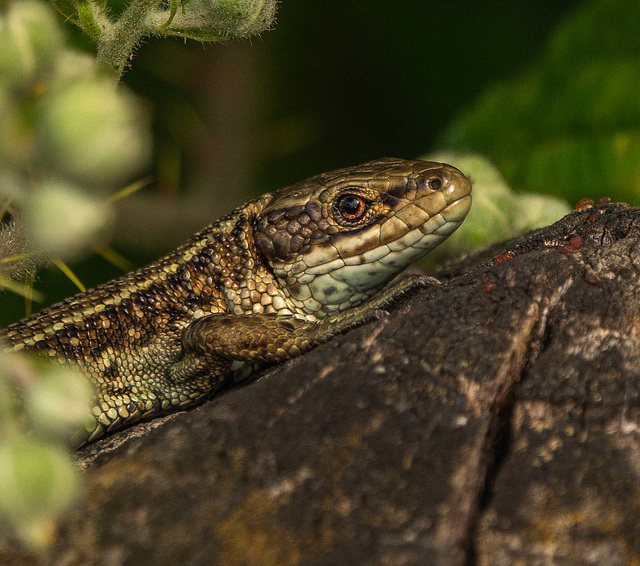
<point x="493" y="419"/>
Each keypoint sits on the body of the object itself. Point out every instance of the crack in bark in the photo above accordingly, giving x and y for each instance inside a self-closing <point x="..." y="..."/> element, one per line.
<point x="498" y="440"/>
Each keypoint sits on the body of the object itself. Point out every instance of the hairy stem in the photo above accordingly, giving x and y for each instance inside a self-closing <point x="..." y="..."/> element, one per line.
<point x="118" y="41"/>
<point x="202" y="20"/>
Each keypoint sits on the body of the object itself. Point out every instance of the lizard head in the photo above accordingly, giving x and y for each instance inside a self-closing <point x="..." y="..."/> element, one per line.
<point x="335" y="239"/>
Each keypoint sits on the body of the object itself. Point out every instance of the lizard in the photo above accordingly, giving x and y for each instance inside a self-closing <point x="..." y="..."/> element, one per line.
<point x="267" y="282"/>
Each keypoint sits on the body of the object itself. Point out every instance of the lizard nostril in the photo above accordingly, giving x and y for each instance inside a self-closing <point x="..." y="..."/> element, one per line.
<point x="435" y="183"/>
<point x="433" y="180"/>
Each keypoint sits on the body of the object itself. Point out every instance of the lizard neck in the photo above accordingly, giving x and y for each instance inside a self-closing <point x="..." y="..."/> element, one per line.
<point x="221" y="270"/>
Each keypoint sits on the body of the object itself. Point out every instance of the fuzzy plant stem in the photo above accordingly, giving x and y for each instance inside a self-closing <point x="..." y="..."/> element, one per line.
<point x="117" y="42"/>
<point x="202" y="20"/>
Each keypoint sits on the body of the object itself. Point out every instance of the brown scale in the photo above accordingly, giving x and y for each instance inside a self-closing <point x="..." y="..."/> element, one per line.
<point x="165" y="336"/>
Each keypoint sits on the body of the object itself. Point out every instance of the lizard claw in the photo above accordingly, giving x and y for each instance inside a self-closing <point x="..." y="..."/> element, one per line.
<point x="421" y="281"/>
<point x="378" y="314"/>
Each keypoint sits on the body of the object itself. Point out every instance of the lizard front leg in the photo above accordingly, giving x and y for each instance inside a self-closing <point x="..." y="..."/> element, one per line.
<point x="213" y="342"/>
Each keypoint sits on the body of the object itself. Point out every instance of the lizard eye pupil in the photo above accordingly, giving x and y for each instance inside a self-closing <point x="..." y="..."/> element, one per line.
<point x="351" y="207"/>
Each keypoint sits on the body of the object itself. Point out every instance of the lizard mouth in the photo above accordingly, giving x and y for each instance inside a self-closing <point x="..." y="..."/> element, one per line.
<point x="412" y="245"/>
<point x="367" y="268"/>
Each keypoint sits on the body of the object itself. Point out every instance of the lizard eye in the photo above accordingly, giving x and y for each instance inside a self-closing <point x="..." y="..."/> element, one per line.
<point x="351" y="207"/>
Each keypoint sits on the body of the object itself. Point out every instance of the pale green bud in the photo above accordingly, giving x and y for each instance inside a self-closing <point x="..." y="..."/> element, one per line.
<point x="59" y="402"/>
<point x="30" y="38"/>
<point x="93" y="134"/>
<point x="62" y="221"/>
<point x="38" y="482"/>
<point x="72" y="64"/>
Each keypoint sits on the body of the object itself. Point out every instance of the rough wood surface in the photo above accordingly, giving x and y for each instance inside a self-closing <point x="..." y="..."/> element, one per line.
<point x="490" y="420"/>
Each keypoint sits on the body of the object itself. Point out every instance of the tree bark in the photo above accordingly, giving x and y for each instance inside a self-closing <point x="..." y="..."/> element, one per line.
<point x="490" y="420"/>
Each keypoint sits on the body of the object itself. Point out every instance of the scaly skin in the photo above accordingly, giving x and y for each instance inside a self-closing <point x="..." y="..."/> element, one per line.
<point x="267" y="282"/>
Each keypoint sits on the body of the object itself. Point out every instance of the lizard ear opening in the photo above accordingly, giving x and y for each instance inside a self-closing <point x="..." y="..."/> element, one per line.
<point x="281" y="233"/>
<point x="264" y="244"/>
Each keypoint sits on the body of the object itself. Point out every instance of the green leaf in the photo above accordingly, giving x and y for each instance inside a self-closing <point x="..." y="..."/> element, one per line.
<point x="87" y="20"/>
<point x="570" y="124"/>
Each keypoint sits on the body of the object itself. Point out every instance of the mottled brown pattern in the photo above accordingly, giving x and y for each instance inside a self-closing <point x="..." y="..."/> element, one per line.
<point x="267" y="282"/>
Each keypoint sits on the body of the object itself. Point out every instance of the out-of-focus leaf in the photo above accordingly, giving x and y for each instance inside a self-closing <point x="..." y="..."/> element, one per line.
<point x="38" y="482"/>
<point x="535" y="211"/>
<point x="570" y="125"/>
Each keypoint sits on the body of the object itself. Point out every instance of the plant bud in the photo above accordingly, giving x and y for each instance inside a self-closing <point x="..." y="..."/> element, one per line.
<point x="93" y="134"/>
<point x="38" y="482"/>
<point x="62" y="221"/>
<point x="213" y="20"/>
<point x="59" y="402"/>
<point x="30" y="38"/>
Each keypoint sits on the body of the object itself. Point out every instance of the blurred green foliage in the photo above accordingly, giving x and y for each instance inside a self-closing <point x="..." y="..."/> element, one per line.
<point x="68" y="139"/>
<point x="38" y="483"/>
<point x="43" y="407"/>
<point x="570" y="123"/>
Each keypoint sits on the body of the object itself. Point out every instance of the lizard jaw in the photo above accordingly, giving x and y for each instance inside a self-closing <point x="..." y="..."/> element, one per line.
<point x="342" y="283"/>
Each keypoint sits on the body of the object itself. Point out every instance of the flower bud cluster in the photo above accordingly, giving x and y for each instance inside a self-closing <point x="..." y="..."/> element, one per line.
<point x="68" y="137"/>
